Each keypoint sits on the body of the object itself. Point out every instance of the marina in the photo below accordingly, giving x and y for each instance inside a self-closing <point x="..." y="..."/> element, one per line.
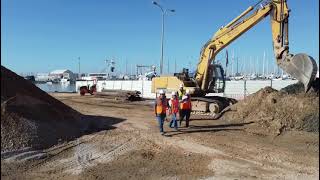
<point x="57" y="87"/>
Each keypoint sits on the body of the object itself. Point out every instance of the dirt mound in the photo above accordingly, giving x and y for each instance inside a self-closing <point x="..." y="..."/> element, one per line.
<point x="32" y="118"/>
<point x="275" y="111"/>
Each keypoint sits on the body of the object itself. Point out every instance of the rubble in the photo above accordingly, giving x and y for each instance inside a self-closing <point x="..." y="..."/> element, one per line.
<point x="120" y="94"/>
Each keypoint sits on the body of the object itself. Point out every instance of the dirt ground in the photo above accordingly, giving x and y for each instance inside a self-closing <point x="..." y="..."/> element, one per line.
<point x="132" y="148"/>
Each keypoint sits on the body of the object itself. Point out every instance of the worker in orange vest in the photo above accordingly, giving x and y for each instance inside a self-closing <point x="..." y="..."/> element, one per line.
<point x="174" y="110"/>
<point x="160" y="109"/>
<point x="185" y="107"/>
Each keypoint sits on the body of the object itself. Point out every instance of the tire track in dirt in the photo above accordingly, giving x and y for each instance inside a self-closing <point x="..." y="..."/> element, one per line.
<point x="87" y="153"/>
<point x="226" y="163"/>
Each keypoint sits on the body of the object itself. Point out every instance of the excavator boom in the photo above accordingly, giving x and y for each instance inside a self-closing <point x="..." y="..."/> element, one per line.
<point x="300" y="66"/>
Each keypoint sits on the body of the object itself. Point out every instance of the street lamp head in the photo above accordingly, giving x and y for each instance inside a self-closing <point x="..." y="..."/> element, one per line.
<point x="172" y="10"/>
<point x="155" y="3"/>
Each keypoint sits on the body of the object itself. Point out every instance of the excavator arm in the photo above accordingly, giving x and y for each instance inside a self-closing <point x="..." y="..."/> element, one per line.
<point x="300" y="66"/>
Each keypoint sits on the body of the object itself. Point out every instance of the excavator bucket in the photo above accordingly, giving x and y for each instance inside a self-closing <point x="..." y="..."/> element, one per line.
<point x="302" y="67"/>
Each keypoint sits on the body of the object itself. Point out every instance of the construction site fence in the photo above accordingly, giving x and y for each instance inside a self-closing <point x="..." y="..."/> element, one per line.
<point x="234" y="89"/>
<point x="243" y="88"/>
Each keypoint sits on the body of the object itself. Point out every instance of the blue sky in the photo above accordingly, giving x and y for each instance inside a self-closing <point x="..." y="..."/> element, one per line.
<point x="43" y="35"/>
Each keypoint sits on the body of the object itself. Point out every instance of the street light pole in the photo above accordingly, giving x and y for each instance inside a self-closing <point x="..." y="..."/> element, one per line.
<point x="162" y="32"/>
<point x="162" y="38"/>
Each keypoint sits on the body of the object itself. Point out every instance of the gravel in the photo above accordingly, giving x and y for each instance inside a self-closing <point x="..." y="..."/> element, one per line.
<point x="32" y="118"/>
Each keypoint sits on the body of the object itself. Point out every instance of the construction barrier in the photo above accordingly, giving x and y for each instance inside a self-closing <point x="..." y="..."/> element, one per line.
<point x="234" y="89"/>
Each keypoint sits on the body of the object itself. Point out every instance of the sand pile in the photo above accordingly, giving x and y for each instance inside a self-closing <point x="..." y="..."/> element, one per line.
<point x="32" y="118"/>
<point x="275" y="111"/>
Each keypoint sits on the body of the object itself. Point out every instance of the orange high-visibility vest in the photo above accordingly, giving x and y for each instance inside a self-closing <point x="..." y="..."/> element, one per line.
<point x="186" y="104"/>
<point x="161" y="106"/>
<point x="174" y="105"/>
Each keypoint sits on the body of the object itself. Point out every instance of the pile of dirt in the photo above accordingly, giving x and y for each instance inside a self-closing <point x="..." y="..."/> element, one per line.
<point x="274" y="112"/>
<point x="32" y="118"/>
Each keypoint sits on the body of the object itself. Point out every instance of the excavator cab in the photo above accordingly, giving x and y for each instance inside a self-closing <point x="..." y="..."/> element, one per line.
<point x="216" y="79"/>
<point x="184" y="75"/>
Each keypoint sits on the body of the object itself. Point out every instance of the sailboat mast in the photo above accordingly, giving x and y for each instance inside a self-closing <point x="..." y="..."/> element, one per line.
<point x="264" y="57"/>
<point x="232" y="58"/>
<point x="267" y="66"/>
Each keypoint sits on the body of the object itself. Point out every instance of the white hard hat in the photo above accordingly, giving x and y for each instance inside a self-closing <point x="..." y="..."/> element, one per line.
<point x="188" y="91"/>
<point x="161" y="91"/>
<point x="181" y="85"/>
<point x="173" y="93"/>
<point x="184" y="97"/>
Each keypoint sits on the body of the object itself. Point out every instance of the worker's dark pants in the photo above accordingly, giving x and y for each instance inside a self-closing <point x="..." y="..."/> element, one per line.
<point x="185" y="113"/>
<point x="160" y="118"/>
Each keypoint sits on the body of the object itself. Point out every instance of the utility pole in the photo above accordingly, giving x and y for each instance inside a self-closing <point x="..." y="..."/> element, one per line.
<point x="175" y="65"/>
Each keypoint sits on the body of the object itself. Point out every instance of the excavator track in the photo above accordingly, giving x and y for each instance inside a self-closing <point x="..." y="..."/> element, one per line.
<point x="210" y="105"/>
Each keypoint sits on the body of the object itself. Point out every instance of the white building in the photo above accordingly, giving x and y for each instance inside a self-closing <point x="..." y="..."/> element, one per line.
<point x="63" y="73"/>
<point x="42" y="77"/>
<point x="97" y="76"/>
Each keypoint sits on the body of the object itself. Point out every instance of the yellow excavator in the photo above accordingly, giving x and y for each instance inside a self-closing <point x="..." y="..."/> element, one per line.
<point x="209" y="77"/>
